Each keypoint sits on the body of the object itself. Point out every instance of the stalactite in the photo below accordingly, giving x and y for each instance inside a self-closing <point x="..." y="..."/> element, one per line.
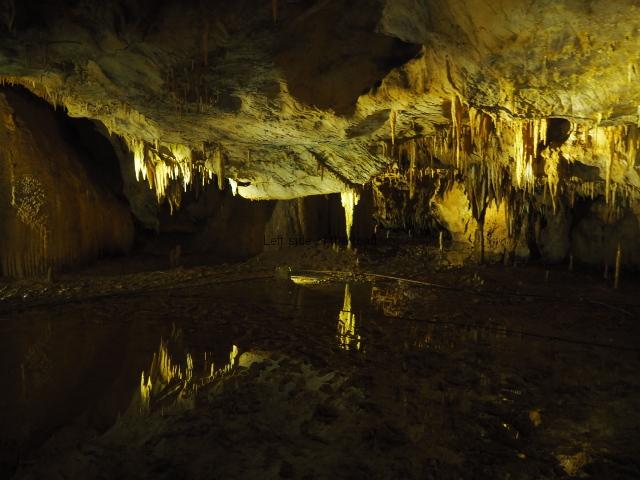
<point x="393" y="119"/>
<point x="456" y="122"/>
<point x="218" y="167"/>
<point x="160" y="170"/>
<point x="412" y="153"/>
<point x="519" y="156"/>
<point x="478" y="192"/>
<point x="349" y="199"/>
<point x="552" y="160"/>
<point x="10" y="14"/>
<point x="517" y="210"/>
<point x="234" y="186"/>
<point x="481" y="127"/>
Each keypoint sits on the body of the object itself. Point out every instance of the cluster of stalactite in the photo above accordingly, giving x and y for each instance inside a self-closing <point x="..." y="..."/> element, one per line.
<point x="515" y="164"/>
<point x="533" y="158"/>
<point x="402" y="193"/>
<point x="170" y="169"/>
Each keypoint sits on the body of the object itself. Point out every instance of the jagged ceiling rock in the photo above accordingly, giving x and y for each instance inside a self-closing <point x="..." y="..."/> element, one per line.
<point x="304" y="97"/>
<point x="534" y="59"/>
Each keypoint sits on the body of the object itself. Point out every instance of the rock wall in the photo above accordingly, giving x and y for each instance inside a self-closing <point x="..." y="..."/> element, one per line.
<point x="53" y="214"/>
<point x="596" y="236"/>
<point x="236" y="227"/>
<point x="453" y="212"/>
<point x="308" y="219"/>
<point x="590" y="232"/>
<point x="319" y="218"/>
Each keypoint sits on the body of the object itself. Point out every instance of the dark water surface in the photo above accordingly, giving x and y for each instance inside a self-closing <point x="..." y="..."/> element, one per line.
<point x="502" y="389"/>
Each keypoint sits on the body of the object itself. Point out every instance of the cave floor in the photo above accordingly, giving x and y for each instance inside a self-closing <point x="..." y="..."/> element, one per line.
<point x="485" y="372"/>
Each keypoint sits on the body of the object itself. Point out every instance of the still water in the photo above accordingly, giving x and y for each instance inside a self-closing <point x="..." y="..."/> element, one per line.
<point x="457" y="381"/>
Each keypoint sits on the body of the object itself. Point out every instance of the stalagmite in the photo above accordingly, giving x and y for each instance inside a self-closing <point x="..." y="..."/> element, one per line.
<point x="478" y="243"/>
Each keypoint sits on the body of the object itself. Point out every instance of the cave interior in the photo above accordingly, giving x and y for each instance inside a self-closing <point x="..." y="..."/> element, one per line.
<point x="320" y="239"/>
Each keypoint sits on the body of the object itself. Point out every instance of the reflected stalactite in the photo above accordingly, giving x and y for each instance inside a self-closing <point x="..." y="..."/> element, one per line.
<point x="348" y="336"/>
<point x="171" y="384"/>
<point x="389" y="301"/>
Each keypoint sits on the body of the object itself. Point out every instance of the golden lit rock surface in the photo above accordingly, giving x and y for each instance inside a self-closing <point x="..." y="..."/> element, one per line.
<point x="299" y="106"/>
<point x="533" y="107"/>
<point x="364" y="239"/>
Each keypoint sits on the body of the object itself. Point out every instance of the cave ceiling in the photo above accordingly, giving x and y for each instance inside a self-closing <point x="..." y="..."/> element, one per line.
<point x="290" y="98"/>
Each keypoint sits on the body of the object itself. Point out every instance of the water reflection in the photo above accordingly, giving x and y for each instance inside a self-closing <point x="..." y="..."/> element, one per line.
<point x="428" y="327"/>
<point x="172" y="384"/>
<point x="398" y="300"/>
<point x="443" y="364"/>
<point x="348" y="339"/>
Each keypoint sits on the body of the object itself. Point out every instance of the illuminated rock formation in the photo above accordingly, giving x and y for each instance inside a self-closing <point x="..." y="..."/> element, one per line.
<point x="531" y="106"/>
